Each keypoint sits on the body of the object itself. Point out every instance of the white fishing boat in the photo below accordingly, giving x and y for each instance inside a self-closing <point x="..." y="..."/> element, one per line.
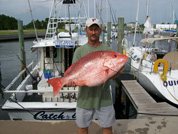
<point x="33" y="98"/>
<point x="156" y="69"/>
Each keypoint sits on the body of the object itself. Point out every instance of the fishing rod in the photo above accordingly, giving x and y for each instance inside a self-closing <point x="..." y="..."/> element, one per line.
<point x="34" y="81"/>
<point x="25" y="67"/>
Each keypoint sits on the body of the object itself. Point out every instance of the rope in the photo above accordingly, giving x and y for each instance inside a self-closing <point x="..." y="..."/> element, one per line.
<point x="163" y="79"/>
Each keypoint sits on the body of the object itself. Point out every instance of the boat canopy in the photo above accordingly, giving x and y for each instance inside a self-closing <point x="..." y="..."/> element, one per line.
<point x="44" y="43"/>
<point x="152" y="40"/>
<point x="63" y="40"/>
<point x="172" y="60"/>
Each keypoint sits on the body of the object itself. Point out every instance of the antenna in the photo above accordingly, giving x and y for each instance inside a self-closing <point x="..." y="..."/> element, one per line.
<point x="32" y="19"/>
<point x="136" y="23"/>
<point x="147" y="5"/>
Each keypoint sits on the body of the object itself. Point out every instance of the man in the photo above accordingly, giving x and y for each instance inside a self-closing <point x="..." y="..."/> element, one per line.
<point x="94" y="99"/>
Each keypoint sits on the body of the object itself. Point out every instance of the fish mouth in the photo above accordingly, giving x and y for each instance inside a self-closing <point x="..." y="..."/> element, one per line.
<point x="125" y="59"/>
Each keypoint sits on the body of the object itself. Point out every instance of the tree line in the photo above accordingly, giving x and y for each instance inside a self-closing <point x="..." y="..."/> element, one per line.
<point x="7" y="23"/>
<point x="10" y="23"/>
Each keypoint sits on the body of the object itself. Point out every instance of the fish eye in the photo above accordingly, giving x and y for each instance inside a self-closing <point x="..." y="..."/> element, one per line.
<point x="115" y="55"/>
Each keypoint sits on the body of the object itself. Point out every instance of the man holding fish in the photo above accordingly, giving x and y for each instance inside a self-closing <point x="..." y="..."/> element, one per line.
<point x="95" y="99"/>
<point x="93" y="65"/>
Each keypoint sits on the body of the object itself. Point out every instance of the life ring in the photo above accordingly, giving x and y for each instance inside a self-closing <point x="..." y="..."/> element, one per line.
<point x="155" y="68"/>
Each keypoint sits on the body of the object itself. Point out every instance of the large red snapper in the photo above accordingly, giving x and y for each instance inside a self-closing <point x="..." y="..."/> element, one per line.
<point x="91" y="70"/>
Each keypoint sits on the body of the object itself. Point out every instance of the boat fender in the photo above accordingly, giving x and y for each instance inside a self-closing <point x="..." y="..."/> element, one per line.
<point x="125" y="43"/>
<point x="125" y="46"/>
<point x="155" y="68"/>
<point x="124" y="52"/>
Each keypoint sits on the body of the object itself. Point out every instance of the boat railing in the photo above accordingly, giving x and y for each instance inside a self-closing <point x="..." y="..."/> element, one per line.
<point x="39" y="91"/>
<point x="47" y="95"/>
<point x="17" y="78"/>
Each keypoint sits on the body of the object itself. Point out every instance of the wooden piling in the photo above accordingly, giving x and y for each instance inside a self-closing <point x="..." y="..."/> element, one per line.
<point x="108" y="33"/>
<point x="0" y="78"/>
<point x="21" y="46"/>
<point x="103" y="30"/>
<point x="177" y="34"/>
<point x="177" y="30"/>
<point x="120" y="34"/>
<point x="118" y="97"/>
<point x="1" y="86"/>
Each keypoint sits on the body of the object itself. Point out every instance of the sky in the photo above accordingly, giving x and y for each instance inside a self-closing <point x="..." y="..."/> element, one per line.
<point x="159" y="10"/>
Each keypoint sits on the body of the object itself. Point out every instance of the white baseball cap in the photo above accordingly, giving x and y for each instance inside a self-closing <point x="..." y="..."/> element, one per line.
<point x="92" y="21"/>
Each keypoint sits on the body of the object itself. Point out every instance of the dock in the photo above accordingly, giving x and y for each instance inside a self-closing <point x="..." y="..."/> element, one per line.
<point x="149" y="125"/>
<point x="144" y="104"/>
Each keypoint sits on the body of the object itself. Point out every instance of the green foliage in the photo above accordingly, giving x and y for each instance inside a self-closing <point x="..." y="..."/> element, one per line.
<point x="7" y="23"/>
<point x="38" y="24"/>
<point x="142" y="26"/>
<point x="10" y="23"/>
<point x="42" y="24"/>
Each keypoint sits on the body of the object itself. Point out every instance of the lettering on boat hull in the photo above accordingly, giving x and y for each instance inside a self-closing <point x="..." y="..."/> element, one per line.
<point x="42" y="115"/>
<point x="170" y="83"/>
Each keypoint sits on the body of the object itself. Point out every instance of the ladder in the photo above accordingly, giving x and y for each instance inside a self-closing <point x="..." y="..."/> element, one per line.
<point x="51" y="29"/>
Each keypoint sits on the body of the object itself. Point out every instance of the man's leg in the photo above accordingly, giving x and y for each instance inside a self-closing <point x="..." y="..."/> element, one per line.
<point x="83" y="119"/>
<point x="83" y="130"/>
<point x="107" y="130"/>
<point x="106" y="118"/>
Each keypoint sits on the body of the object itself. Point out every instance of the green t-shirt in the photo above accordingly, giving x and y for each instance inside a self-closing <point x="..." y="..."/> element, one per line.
<point x="92" y="97"/>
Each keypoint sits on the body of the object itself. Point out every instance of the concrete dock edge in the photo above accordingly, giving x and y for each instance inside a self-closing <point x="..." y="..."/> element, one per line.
<point x="150" y="125"/>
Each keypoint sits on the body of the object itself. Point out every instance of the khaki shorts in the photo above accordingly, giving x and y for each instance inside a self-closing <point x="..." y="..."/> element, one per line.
<point x="105" y="116"/>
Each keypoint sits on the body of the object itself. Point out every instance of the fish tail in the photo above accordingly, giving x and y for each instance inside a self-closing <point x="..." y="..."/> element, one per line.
<point x="57" y="84"/>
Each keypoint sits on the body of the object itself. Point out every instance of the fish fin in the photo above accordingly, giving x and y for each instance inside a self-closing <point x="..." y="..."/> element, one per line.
<point x="109" y="64"/>
<point x="57" y="84"/>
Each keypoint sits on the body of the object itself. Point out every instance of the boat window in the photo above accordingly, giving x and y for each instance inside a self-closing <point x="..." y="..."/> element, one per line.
<point x="135" y="56"/>
<point x="47" y="52"/>
<point x="138" y="59"/>
<point x="68" y="1"/>
<point x="57" y="55"/>
<point x="131" y="52"/>
<point x="54" y="52"/>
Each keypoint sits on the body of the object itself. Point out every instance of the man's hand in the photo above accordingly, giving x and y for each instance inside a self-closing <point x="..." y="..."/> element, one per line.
<point x="118" y="73"/>
<point x="71" y="84"/>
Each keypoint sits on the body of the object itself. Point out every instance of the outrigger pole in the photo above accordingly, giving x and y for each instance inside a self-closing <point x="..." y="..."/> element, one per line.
<point x="33" y="19"/>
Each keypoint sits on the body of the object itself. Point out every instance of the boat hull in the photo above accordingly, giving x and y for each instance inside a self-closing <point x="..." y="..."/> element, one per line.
<point x="42" y="114"/>
<point x="167" y="90"/>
